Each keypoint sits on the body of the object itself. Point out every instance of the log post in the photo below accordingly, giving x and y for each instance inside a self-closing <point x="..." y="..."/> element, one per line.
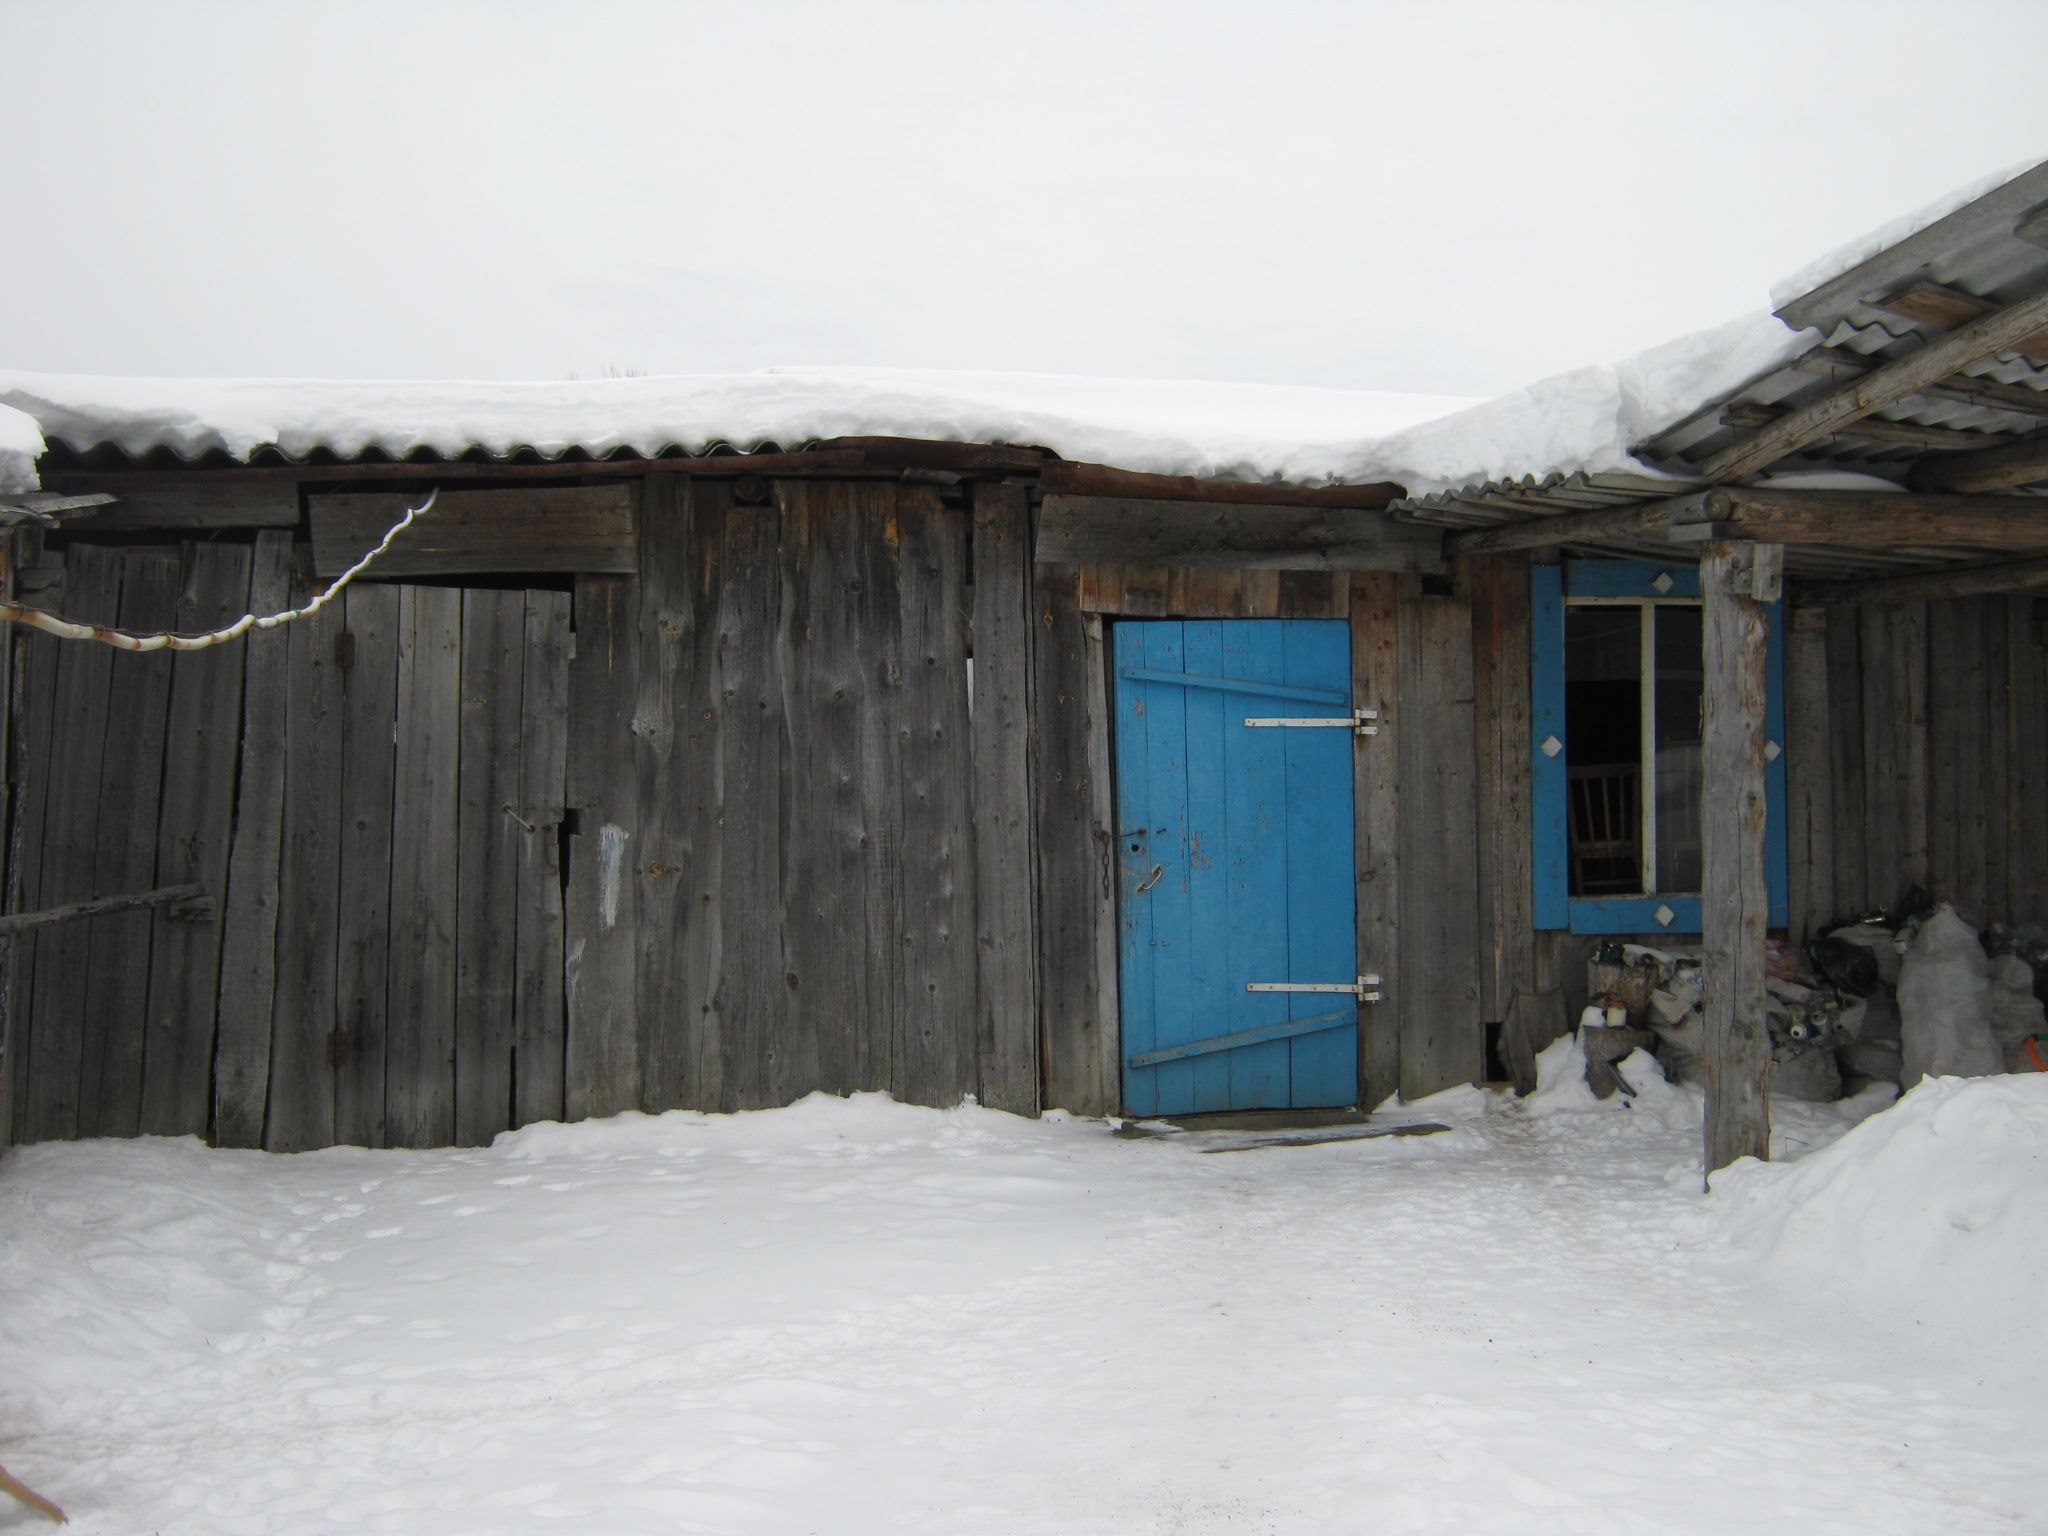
<point x="1737" y="581"/>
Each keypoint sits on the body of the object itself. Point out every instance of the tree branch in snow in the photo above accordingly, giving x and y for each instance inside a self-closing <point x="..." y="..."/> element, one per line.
<point x="121" y="639"/>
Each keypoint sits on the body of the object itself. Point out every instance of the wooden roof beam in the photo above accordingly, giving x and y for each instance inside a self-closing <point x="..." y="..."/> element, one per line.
<point x="2022" y="462"/>
<point x="1887" y="385"/>
<point x="1597" y="525"/>
<point x="1928" y="586"/>
<point x="1868" y="519"/>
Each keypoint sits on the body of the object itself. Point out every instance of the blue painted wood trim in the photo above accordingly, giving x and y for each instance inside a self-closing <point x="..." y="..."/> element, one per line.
<point x="1777" y="875"/>
<point x="1550" y="854"/>
<point x="1286" y="1029"/>
<point x="1629" y="578"/>
<point x="1239" y="685"/>
<point x="1635" y="914"/>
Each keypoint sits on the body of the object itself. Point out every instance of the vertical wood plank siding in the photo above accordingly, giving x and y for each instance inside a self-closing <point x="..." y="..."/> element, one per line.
<point x="197" y="822"/>
<point x="117" y="978"/>
<point x="1937" y="719"/>
<point x="1005" y="888"/>
<point x="729" y="830"/>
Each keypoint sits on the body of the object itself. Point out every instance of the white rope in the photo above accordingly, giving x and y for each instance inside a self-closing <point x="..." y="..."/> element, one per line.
<point x="121" y="639"/>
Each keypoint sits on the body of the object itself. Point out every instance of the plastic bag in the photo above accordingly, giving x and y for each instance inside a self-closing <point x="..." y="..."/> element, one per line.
<point x="1874" y="1052"/>
<point x="1945" y="1003"/>
<point x="2015" y="1012"/>
<point x="1805" y="1072"/>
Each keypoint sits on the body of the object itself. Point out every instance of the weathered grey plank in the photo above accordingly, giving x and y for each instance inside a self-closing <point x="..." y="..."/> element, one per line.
<point x="876" y="620"/>
<point x="1376" y="807"/>
<point x="304" y="1051"/>
<point x="1809" y="788"/>
<point x="694" y="1069"/>
<point x="489" y="836"/>
<point x="539" y="1019"/>
<point x="34" y="691"/>
<point x="601" y="910"/>
<point x="1078" y="529"/>
<point x="937" y="1011"/>
<point x="219" y="503"/>
<point x="131" y="783"/>
<point x="1909" y="712"/>
<point x="667" y="720"/>
<point x="2027" y="662"/>
<point x="584" y="528"/>
<point x="1499" y="589"/>
<point x="248" y="962"/>
<point x="753" y="1012"/>
<point x="50" y="1108"/>
<point x="1077" y="917"/>
<point x="419" y="1074"/>
<point x="1312" y="594"/>
<point x="1885" y="789"/>
<point x="1005" y="899"/>
<point x="825" y="929"/>
<point x="2000" y="782"/>
<point x="196" y="824"/>
<point x="1970" y="690"/>
<point x="1736" y="582"/>
<point x="1442" y="1039"/>
<point x="10" y="834"/>
<point x="362" y="982"/>
<point x="1846" y="841"/>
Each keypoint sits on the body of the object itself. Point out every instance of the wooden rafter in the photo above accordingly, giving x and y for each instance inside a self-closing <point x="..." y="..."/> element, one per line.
<point x="1900" y="434"/>
<point x="1925" y="586"/>
<point x="1961" y="388"/>
<point x="1597" y="525"/>
<point x="2021" y="462"/>
<point x="1081" y="530"/>
<point x="1887" y="385"/>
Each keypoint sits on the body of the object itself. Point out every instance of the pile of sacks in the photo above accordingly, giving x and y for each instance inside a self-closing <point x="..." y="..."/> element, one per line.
<point x="1882" y="1000"/>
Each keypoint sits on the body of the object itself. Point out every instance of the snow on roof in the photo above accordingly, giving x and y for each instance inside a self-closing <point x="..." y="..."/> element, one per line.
<point x="1229" y="431"/>
<point x="1584" y="422"/>
<point x="21" y="444"/>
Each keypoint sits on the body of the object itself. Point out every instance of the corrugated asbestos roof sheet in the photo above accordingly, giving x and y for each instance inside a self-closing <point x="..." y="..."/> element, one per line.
<point x="1994" y="248"/>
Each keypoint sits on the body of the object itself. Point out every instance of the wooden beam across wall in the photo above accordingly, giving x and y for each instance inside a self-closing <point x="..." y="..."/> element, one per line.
<point x="1869" y="519"/>
<point x="1850" y="519"/>
<point x="588" y="529"/>
<point x="1080" y="530"/>
<point x="1998" y="331"/>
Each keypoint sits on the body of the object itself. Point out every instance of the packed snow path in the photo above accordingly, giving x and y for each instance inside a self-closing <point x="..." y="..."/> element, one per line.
<point x="853" y="1316"/>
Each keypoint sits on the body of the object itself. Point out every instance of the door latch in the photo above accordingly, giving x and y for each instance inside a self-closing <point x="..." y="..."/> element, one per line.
<point x="1365" y="989"/>
<point x="1363" y="721"/>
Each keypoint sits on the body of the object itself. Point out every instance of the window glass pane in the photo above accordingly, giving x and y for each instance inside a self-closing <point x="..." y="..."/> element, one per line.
<point x="1681" y="694"/>
<point x="1603" y="714"/>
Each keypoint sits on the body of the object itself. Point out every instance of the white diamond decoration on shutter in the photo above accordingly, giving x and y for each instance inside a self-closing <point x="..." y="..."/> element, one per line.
<point x="1772" y="751"/>
<point x="1662" y="582"/>
<point x="1664" y="915"/>
<point x="1550" y="746"/>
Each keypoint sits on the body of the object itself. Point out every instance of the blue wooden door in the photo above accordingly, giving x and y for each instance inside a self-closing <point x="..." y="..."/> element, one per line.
<point x="1235" y="847"/>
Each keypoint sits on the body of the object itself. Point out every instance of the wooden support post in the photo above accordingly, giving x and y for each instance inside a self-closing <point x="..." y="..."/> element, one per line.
<point x="1737" y="582"/>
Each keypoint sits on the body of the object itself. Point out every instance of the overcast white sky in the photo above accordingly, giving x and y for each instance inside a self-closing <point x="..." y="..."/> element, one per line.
<point x="1411" y="196"/>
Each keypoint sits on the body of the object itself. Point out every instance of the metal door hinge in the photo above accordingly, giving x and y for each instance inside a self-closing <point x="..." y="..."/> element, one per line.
<point x="1365" y="989"/>
<point x="1363" y="721"/>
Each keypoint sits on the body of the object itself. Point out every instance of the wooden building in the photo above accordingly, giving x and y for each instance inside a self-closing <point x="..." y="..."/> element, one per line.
<point x="712" y="779"/>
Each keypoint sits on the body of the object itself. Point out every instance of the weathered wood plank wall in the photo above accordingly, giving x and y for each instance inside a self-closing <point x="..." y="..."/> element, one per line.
<point x="1936" y="723"/>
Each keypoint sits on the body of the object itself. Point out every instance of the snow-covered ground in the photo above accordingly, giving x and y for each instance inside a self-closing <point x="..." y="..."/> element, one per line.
<point x="854" y="1316"/>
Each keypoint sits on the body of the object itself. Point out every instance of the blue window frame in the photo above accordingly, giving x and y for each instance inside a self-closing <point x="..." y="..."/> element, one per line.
<point x="1552" y="589"/>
